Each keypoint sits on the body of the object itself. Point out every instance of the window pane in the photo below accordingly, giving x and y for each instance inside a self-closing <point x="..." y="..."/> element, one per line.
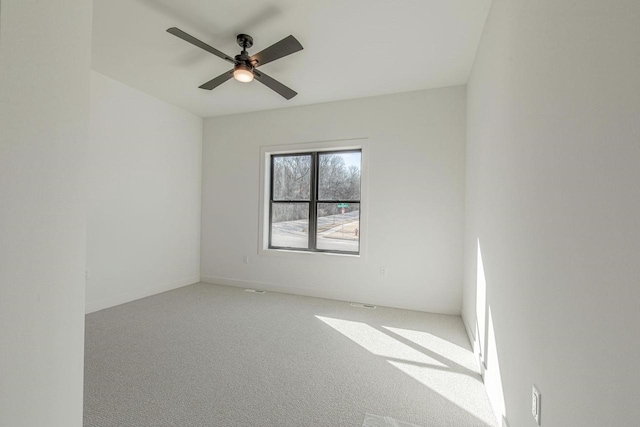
<point x="291" y="177"/>
<point x="290" y="225"/>
<point x="339" y="227"/>
<point x="339" y="176"/>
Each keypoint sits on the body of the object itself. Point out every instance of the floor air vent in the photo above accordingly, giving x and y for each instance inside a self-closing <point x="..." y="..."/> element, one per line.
<point x="255" y="291"/>
<point x="357" y="304"/>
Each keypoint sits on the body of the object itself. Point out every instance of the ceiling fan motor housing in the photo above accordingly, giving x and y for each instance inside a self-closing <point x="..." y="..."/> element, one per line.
<point x="242" y="60"/>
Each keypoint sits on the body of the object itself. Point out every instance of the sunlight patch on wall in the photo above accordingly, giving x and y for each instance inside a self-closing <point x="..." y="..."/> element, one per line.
<point x="493" y="377"/>
<point x="481" y="305"/>
<point x="486" y="342"/>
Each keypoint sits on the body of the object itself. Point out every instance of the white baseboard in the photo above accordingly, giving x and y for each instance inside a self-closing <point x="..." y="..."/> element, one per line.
<point x="481" y="366"/>
<point x="147" y="291"/>
<point x="320" y="293"/>
<point x="475" y="347"/>
<point x="472" y="338"/>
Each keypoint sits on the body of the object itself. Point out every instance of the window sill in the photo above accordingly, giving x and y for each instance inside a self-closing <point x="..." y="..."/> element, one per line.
<point x="305" y="255"/>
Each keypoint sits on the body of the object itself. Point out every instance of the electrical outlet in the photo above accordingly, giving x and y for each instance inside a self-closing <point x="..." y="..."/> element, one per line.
<point x="535" y="404"/>
<point x="87" y="274"/>
<point x="383" y="271"/>
<point x="245" y="259"/>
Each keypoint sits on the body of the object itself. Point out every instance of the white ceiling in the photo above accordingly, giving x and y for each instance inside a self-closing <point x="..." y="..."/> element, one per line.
<point x="352" y="48"/>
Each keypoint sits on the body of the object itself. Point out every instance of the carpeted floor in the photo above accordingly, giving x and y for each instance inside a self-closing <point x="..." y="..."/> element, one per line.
<point x="207" y="355"/>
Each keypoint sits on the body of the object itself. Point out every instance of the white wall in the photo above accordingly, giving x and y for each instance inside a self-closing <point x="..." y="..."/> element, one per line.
<point x="416" y="200"/>
<point x="553" y="171"/>
<point x="44" y="113"/>
<point x="144" y="195"/>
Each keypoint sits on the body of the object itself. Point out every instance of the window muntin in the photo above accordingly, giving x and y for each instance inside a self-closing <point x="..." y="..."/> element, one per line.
<point x="315" y="201"/>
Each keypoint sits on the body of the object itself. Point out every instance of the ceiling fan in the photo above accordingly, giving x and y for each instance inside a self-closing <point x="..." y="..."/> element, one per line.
<point x="245" y="66"/>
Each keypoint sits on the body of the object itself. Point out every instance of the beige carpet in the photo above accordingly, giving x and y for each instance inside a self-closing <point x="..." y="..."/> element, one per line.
<point x="371" y="420"/>
<point x="208" y="355"/>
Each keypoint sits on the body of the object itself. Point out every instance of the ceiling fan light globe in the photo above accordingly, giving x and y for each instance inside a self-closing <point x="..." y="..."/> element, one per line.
<point x="242" y="74"/>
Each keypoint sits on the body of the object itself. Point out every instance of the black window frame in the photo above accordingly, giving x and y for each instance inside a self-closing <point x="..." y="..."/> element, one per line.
<point x="313" y="201"/>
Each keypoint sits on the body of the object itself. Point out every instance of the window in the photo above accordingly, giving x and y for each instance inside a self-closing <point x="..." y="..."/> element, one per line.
<point x="314" y="201"/>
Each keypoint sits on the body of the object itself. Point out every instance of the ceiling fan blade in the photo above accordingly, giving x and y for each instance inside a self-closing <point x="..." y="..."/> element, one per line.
<point x="213" y="83"/>
<point x="284" y="47"/>
<point x="275" y="85"/>
<point x="202" y="45"/>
